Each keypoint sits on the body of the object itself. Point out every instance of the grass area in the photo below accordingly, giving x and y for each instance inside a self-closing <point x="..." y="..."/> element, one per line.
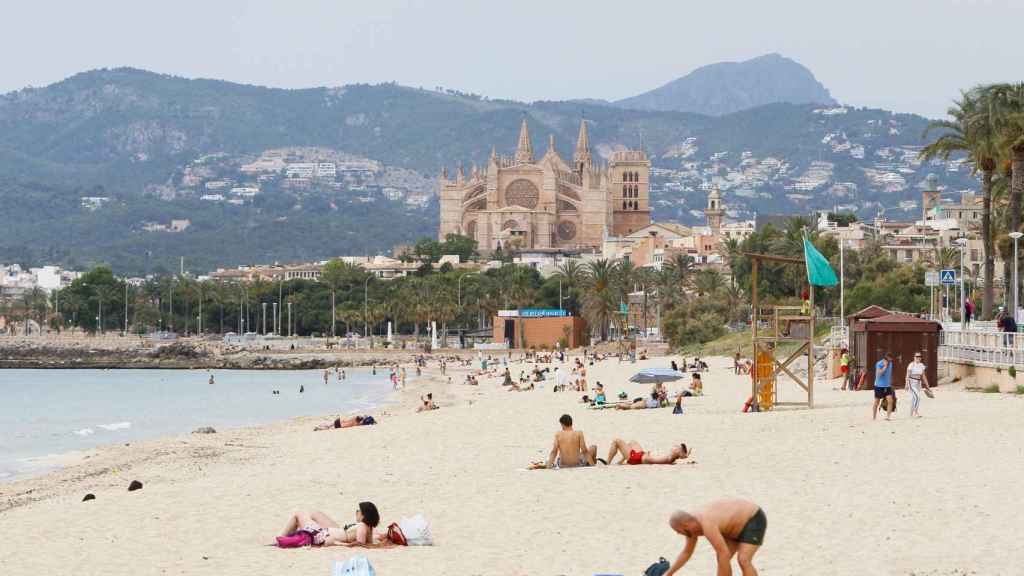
<point x="991" y="389"/>
<point x="1020" y="389"/>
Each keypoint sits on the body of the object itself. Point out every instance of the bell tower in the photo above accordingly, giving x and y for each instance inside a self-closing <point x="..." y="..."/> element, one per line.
<point x="714" y="212"/>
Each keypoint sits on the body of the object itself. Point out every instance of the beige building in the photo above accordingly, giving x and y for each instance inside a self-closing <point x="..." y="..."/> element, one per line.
<point x="528" y="203"/>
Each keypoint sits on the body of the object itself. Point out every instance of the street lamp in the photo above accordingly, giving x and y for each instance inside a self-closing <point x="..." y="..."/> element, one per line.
<point x="290" y="334"/>
<point x="264" y="306"/>
<point x="366" y="302"/>
<point x="460" y="285"/>
<point x="1016" y="303"/>
<point x="962" y="244"/>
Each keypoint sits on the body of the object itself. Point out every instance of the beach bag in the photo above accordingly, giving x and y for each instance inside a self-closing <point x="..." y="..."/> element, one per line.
<point x="928" y="393"/>
<point x="658" y="568"/>
<point x="413" y="531"/>
<point x="354" y="566"/>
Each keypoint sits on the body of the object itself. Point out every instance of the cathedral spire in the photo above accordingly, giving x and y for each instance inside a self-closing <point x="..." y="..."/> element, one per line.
<point x="524" y="151"/>
<point x="582" y="155"/>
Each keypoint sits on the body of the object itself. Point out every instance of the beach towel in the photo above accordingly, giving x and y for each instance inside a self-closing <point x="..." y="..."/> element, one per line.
<point x="354" y="566"/>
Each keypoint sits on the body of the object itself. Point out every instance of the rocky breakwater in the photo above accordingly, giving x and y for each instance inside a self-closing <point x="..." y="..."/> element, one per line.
<point x="187" y="354"/>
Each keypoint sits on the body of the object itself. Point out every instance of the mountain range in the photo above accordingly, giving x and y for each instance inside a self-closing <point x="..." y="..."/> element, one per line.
<point x="100" y="166"/>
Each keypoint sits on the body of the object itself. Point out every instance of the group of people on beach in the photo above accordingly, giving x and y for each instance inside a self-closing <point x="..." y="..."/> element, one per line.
<point x="733" y="528"/>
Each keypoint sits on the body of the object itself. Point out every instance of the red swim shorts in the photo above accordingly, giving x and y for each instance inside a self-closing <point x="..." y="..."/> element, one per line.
<point x="635" y="457"/>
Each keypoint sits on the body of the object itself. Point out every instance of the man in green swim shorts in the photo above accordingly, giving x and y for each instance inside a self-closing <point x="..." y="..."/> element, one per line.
<point x="732" y="527"/>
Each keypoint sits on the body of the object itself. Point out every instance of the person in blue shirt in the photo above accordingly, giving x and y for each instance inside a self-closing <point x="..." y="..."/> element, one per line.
<point x="883" y="386"/>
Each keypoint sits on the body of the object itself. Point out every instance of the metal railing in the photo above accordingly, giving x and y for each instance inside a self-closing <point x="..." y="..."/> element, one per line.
<point x="981" y="347"/>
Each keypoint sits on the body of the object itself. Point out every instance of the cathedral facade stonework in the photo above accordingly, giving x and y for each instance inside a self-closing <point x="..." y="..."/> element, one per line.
<point x="524" y="203"/>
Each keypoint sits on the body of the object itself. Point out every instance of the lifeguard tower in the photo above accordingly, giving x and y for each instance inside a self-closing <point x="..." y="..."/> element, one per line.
<point x="772" y="326"/>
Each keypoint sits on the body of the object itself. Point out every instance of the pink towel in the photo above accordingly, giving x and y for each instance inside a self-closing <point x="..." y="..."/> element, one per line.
<point x="297" y="540"/>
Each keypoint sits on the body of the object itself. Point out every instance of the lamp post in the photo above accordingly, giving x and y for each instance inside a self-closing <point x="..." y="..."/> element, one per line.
<point x="366" y="307"/>
<point x="1016" y="287"/>
<point x="962" y="244"/>
<point x="126" y="309"/>
<point x="264" y="306"/>
<point x="276" y="327"/>
<point x="460" y="285"/>
<point x="842" y="284"/>
<point x="290" y="320"/>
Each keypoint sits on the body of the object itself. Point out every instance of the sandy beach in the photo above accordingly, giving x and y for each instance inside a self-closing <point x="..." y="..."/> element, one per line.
<point x="843" y="494"/>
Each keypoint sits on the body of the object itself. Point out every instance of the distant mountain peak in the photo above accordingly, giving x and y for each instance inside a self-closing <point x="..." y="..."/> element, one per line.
<point x="727" y="87"/>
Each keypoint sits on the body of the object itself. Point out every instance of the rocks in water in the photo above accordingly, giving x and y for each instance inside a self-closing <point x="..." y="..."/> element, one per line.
<point x="135" y="485"/>
<point x="88" y="497"/>
<point x="204" y="430"/>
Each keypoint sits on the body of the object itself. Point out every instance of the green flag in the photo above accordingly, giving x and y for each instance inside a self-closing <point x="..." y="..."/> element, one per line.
<point x="819" y="273"/>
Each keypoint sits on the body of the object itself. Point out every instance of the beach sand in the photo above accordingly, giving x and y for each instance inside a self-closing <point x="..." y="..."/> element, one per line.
<point x="843" y="494"/>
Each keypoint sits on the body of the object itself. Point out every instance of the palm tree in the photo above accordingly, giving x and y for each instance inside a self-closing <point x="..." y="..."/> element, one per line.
<point x="335" y="274"/>
<point x="972" y="130"/>
<point x="600" y="301"/>
<point x="572" y="274"/>
<point x="733" y="251"/>
<point x="707" y="281"/>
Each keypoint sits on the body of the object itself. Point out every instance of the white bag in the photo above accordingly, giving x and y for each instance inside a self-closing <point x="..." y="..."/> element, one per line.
<point x="354" y="566"/>
<point x="416" y="531"/>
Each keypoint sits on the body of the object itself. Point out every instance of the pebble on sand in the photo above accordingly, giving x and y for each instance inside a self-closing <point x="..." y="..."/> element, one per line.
<point x="135" y="485"/>
<point x="204" y="430"/>
<point x="88" y="497"/>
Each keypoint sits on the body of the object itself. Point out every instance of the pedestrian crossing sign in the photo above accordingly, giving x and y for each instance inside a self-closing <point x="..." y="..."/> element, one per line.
<point x="948" y="276"/>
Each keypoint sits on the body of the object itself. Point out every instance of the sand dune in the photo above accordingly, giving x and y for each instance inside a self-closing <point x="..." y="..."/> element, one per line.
<point x="843" y="494"/>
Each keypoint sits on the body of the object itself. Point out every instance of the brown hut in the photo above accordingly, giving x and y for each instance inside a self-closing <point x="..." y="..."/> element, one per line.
<point x="900" y="334"/>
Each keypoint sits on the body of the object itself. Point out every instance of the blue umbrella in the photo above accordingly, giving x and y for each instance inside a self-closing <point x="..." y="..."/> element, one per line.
<point x="657" y="376"/>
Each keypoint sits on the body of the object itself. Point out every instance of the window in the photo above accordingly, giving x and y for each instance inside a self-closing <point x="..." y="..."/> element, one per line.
<point x="623" y="204"/>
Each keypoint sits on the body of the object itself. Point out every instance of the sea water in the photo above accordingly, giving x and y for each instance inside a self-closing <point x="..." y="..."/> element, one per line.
<point x="45" y="413"/>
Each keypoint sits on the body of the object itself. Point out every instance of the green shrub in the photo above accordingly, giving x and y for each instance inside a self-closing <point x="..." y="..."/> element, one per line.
<point x="991" y="389"/>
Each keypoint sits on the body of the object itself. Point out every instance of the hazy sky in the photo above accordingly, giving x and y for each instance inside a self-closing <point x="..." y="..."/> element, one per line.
<point x="905" y="55"/>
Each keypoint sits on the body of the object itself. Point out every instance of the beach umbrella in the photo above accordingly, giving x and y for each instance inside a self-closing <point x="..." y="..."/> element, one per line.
<point x="657" y="376"/>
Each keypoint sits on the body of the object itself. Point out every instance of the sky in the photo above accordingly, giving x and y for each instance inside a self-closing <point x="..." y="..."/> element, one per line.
<point x="901" y="55"/>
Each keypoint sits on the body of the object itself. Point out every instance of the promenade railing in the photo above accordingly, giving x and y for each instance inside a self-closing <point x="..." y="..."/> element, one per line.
<point x="981" y="346"/>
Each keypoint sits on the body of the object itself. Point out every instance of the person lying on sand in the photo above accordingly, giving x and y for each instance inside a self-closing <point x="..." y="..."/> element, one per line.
<point x="318" y="529"/>
<point x="732" y="527"/>
<point x="640" y="404"/>
<point x="569" y="450"/>
<point x="633" y="453"/>
<point x="347" y="423"/>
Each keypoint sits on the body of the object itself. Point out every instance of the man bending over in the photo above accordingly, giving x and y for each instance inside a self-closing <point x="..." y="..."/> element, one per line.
<point x="732" y="527"/>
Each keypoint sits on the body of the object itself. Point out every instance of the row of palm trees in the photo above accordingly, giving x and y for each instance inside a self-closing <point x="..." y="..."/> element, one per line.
<point x="987" y="125"/>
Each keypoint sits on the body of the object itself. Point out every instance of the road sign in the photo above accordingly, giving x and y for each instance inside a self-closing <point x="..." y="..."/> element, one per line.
<point x="931" y="278"/>
<point x="948" y="276"/>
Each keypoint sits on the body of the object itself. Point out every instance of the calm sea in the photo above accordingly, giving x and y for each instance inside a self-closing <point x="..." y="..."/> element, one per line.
<point x="44" y="413"/>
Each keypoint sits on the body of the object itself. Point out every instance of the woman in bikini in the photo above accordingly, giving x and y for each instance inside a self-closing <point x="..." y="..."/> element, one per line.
<point x="318" y="529"/>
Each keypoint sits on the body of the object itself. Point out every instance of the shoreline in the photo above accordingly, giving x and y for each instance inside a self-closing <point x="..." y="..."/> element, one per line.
<point x="53" y="463"/>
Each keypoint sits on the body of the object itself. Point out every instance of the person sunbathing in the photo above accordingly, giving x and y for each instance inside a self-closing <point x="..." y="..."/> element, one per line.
<point x="633" y="453"/>
<point x="570" y="449"/>
<point x="640" y="404"/>
<point x="347" y="423"/>
<point x="318" y="529"/>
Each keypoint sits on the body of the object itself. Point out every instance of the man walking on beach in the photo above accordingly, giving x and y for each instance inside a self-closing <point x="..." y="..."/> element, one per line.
<point x="570" y="448"/>
<point x="732" y="527"/>
<point x="883" y="386"/>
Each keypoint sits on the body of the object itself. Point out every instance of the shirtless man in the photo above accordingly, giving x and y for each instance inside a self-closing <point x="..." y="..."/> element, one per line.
<point x="633" y="453"/>
<point x="732" y="527"/>
<point x="570" y="448"/>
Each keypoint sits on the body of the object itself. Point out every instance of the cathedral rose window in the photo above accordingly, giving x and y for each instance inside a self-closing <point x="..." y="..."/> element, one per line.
<point x="566" y="230"/>
<point x="522" y="193"/>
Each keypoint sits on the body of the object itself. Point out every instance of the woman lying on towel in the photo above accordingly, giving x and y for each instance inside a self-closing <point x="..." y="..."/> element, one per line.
<point x="318" y="529"/>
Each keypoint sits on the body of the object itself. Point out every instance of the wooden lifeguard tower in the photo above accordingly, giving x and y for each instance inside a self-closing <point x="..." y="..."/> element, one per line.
<point x="784" y="324"/>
